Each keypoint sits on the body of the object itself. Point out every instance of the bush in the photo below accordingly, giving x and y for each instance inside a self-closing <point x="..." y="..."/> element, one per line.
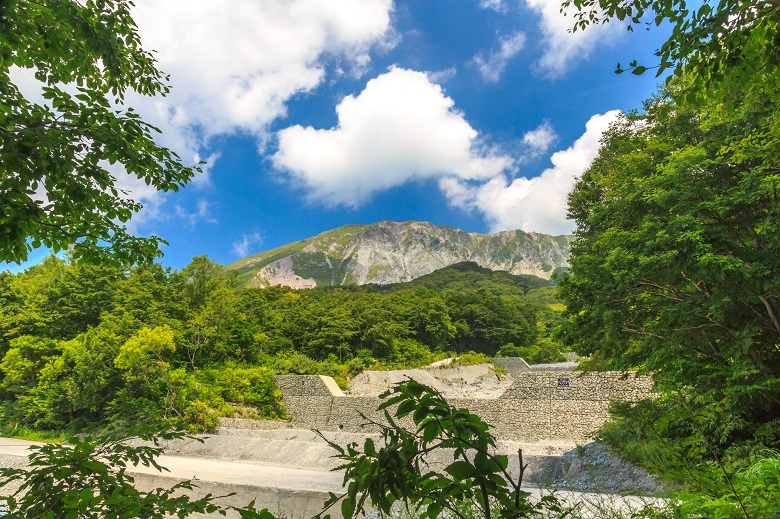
<point x="470" y="359"/>
<point x="362" y="362"/>
<point x="509" y="350"/>
<point x="753" y="493"/>
<point x="543" y="351"/>
<point x="200" y="417"/>
<point x="253" y="386"/>
<point x="412" y="353"/>
<point x="87" y="478"/>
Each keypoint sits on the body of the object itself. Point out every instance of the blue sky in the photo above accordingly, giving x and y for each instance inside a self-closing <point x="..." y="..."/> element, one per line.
<point x="313" y="114"/>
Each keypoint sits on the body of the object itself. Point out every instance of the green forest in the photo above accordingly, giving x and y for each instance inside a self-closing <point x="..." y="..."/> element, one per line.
<point x="85" y="346"/>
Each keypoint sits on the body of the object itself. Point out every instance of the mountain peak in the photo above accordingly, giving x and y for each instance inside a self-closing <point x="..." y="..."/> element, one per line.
<point x="392" y="252"/>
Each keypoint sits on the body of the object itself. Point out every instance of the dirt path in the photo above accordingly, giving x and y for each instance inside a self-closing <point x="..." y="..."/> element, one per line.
<point x="252" y="473"/>
<point x="287" y="491"/>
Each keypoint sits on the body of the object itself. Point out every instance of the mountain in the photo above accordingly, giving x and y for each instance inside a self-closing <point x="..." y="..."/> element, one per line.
<point x="392" y="252"/>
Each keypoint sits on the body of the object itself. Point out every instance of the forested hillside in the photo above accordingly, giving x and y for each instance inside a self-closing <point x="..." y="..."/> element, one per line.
<point x="85" y="345"/>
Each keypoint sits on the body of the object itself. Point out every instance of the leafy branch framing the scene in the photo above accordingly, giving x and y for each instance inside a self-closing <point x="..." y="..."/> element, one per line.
<point x="398" y="471"/>
<point x="87" y="478"/>
<point x="60" y="157"/>
<point x="723" y="45"/>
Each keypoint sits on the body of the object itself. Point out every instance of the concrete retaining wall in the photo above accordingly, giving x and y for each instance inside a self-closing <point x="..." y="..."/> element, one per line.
<point x="511" y="365"/>
<point x="538" y="406"/>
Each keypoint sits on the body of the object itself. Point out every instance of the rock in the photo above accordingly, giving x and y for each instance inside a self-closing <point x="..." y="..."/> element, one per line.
<point x="596" y="468"/>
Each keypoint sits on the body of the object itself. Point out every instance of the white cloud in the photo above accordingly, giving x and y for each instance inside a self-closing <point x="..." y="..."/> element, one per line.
<point x="492" y="68"/>
<point x="234" y="65"/>
<point x="563" y="47"/>
<point x="400" y="128"/>
<point x="442" y="76"/>
<point x="533" y="204"/>
<point x="242" y="247"/>
<point x="539" y="140"/>
<point x="201" y="214"/>
<point x="496" y="5"/>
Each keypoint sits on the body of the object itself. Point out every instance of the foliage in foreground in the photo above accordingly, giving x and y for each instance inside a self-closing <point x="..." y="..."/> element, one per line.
<point x="87" y="479"/>
<point x="60" y="157"/>
<point x="675" y="263"/>
<point x="724" y="47"/>
<point x="477" y="479"/>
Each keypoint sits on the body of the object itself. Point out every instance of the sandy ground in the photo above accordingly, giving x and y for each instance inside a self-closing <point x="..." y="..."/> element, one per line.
<point x="285" y="489"/>
<point x="254" y="473"/>
<point x="477" y="381"/>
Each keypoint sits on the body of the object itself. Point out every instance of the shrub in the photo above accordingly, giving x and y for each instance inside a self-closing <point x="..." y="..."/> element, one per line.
<point x="200" y="417"/>
<point x="470" y="359"/>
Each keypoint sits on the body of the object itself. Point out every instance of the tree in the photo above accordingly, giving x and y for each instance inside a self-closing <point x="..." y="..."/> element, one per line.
<point x="59" y="160"/>
<point x="142" y="356"/>
<point x="675" y="264"/>
<point x="76" y="389"/>
<point x="23" y="361"/>
<point x="723" y="47"/>
<point x="209" y="331"/>
<point x="203" y="276"/>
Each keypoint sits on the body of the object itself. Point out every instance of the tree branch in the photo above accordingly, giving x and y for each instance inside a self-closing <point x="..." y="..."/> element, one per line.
<point x="771" y="312"/>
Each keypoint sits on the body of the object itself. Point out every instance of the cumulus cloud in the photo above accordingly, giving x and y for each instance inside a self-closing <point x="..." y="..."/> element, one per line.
<point x="400" y="128"/>
<point x="532" y="204"/>
<point x="247" y="242"/>
<point x="563" y="47"/>
<point x="540" y="140"/>
<point x="233" y="66"/>
<point x="493" y="67"/>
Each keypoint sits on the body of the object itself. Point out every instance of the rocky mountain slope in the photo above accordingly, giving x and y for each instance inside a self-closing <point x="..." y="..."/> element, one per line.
<point x="392" y="252"/>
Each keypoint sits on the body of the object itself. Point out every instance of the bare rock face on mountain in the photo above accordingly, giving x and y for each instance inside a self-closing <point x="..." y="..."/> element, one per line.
<point x="393" y="252"/>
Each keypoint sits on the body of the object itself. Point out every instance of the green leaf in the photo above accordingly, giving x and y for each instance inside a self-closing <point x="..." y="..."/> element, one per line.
<point x="405" y="407"/>
<point x="347" y="507"/>
<point x="460" y="470"/>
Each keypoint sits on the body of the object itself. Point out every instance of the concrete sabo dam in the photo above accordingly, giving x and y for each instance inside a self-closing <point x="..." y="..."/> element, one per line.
<point x="538" y="406"/>
<point x="285" y="467"/>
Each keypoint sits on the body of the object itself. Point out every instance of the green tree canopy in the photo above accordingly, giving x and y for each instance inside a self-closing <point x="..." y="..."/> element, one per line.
<point x="59" y="159"/>
<point x="675" y="266"/>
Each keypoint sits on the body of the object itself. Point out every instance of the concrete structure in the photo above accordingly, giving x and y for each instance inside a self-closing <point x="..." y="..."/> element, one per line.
<point x="511" y="365"/>
<point x="538" y="406"/>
